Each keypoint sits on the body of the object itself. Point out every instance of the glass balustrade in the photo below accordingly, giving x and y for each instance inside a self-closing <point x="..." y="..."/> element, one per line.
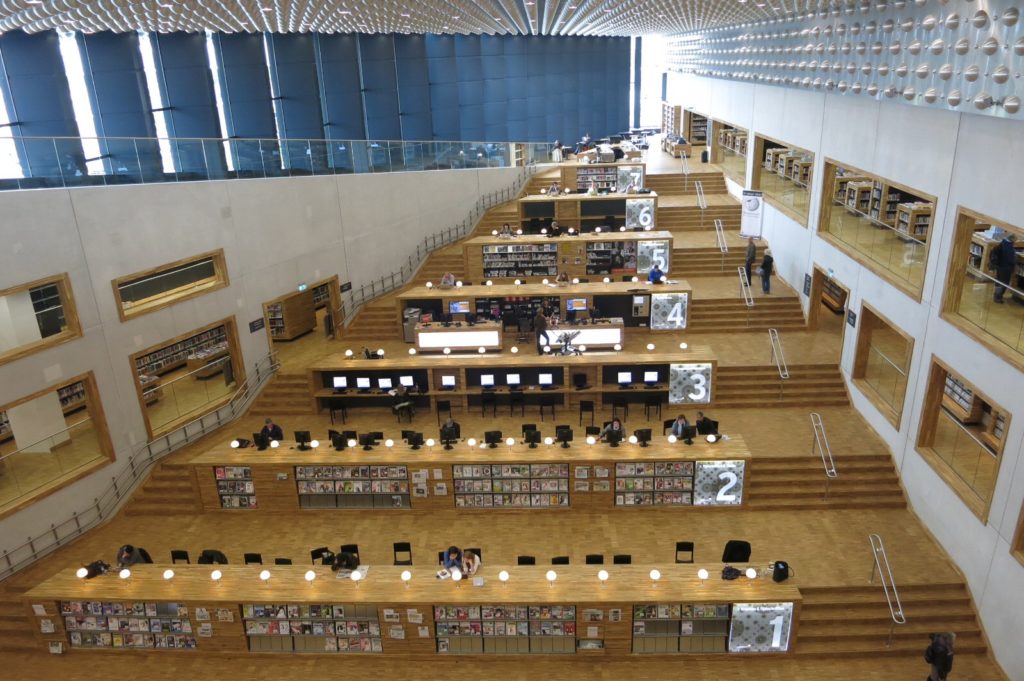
<point x="188" y="395"/>
<point x="901" y="256"/>
<point x="733" y="165"/>
<point x="1004" y="321"/>
<point x="965" y="455"/>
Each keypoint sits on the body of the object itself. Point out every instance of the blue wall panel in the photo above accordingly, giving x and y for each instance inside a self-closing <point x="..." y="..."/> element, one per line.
<point x="469" y="72"/>
<point x="246" y="86"/>
<point x="380" y="86"/>
<point x="413" y="87"/>
<point x="294" y="61"/>
<point x="444" y="90"/>
<point x="342" y="101"/>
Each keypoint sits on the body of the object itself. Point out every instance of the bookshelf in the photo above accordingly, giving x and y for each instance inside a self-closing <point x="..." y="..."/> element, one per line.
<point x="72" y="397"/>
<point x="842" y="180"/>
<point x="858" y="196"/>
<point x="961" y="400"/>
<point x="173" y="356"/>
<point x="603" y="177"/>
<point x="833" y="296"/>
<point x="497" y="629"/>
<point x="115" y="624"/>
<point x="235" y="487"/>
<point x="654" y="483"/>
<point x="352" y="486"/>
<point x="322" y="295"/>
<point x="680" y="628"/>
<point x="671" y="118"/>
<point x="695" y="127"/>
<point x="771" y="157"/>
<point x="5" y="427"/>
<point x="609" y="257"/>
<point x="291" y="316"/>
<point x="520" y="260"/>
<point x="914" y="219"/>
<point x="516" y="485"/>
<point x="884" y="200"/>
<point x="312" y="628"/>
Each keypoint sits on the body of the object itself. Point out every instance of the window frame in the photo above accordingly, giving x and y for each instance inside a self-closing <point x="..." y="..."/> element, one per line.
<point x="860" y="359"/>
<point x="757" y="167"/>
<point x="1017" y="547"/>
<point x="717" y="153"/>
<point x="67" y="298"/>
<point x="220" y="280"/>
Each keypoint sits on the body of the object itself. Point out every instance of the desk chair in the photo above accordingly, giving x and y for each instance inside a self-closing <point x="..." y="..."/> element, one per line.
<point x="560" y="560"/>
<point x="442" y="405"/>
<point x="179" y="555"/>
<point x="736" y="551"/>
<point x="651" y="403"/>
<point x="403" y="412"/>
<point x="317" y="554"/>
<point x="488" y="399"/>
<point x="402" y="551"/>
<point x="145" y="555"/>
<point x="620" y="403"/>
<point x="516" y="398"/>
<point x="545" y="402"/>
<point x="684" y="549"/>
<point x="593" y="430"/>
<point x="666" y="425"/>
<point x="595" y="559"/>
<point x="622" y="559"/>
<point x="587" y="406"/>
<point x="212" y="557"/>
<point x="528" y="426"/>
<point x="526" y="560"/>
<point x="282" y="561"/>
<point x="338" y="408"/>
<point x="349" y="548"/>
<point x="252" y="558"/>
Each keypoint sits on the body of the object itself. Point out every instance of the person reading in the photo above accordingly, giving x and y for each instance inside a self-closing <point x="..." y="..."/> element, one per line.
<point x="679" y="426"/>
<point x="271" y="431"/>
<point x="129" y="555"/>
<point x="453" y="558"/>
<point x="403" y="403"/>
<point x="656" y="275"/>
<point x="705" y="426"/>
<point x="615" y="426"/>
<point x="447" y="280"/>
<point x="470" y="563"/>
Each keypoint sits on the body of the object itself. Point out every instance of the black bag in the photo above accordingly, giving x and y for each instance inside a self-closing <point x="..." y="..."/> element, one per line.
<point x="96" y="568"/>
<point x="729" y="572"/>
<point x="780" y="571"/>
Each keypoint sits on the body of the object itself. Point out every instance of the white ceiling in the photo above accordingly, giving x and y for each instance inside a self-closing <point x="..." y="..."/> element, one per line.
<point x="543" y="17"/>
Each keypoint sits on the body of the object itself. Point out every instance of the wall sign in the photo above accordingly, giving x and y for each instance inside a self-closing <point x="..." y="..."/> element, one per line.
<point x="639" y="213"/>
<point x="650" y="252"/>
<point x="347" y="286"/>
<point x="851" y="318"/>
<point x="753" y="208"/>
<point x="807" y="285"/>
<point x="718" y="483"/>
<point x="668" y="311"/>
<point x="689" y="383"/>
<point x="760" y="627"/>
<point x="256" y="324"/>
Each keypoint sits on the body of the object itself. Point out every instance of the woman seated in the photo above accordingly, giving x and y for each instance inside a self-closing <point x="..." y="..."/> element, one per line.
<point x="506" y="231"/>
<point x="470" y="563"/>
<point x="447" y="280"/>
<point x="615" y="426"/>
<point x="563" y="279"/>
<point x="403" y="403"/>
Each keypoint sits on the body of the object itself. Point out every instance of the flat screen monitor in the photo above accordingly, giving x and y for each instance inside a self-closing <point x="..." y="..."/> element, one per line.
<point x="576" y="305"/>
<point x="447" y="381"/>
<point x="650" y="377"/>
<point x="415" y="440"/>
<point x="338" y="441"/>
<point x="614" y="437"/>
<point x="384" y="383"/>
<point x="363" y="383"/>
<point x="625" y="377"/>
<point x="458" y="307"/>
<point x="545" y="379"/>
<point x="407" y="381"/>
<point x="259" y="441"/>
<point x="487" y="380"/>
<point x="512" y="379"/>
<point x="492" y="437"/>
<point x="303" y="439"/>
<point x="532" y="438"/>
<point x="639" y="300"/>
<point x="339" y="382"/>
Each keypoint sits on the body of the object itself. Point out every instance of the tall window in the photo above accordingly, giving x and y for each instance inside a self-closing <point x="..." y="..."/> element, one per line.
<point x="10" y="164"/>
<point x="81" y="102"/>
<point x="211" y="53"/>
<point x="156" y="98"/>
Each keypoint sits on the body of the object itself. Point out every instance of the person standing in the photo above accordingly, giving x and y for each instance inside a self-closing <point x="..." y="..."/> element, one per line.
<point x="1003" y="260"/>
<point x="751" y="256"/>
<point x="939" y="654"/>
<point x="540" y="326"/>
<point x="767" y="268"/>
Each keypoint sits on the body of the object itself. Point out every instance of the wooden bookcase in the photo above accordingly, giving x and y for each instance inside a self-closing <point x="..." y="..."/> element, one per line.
<point x="914" y="219"/>
<point x="695" y="127"/>
<point x="671" y="118"/>
<point x="291" y="315"/>
<point x="833" y="296"/>
<point x="858" y="197"/>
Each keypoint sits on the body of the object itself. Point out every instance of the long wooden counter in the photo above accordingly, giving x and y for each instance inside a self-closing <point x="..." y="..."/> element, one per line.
<point x="425" y="616"/>
<point x="435" y="337"/>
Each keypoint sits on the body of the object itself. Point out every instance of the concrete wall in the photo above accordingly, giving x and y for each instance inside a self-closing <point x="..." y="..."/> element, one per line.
<point x="963" y="160"/>
<point x="275" y="234"/>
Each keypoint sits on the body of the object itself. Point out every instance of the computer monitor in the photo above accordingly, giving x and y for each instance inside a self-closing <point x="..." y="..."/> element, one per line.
<point x="545" y="379"/>
<point x="302" y="439"/>
<point x="415" y="440"/>
<point x="339" y="382"/>
<point x="260" y="441"/>
<point x="564" y="435"/>
<point x="689" y="432"/>
<point x="512" y="380"/>
<point x="643" y="436"/>
<point x="532" y="438"/>
<point x="338" y="441"/>
<point x="576" y="305"/>
<point x="458" y="307"/>
<point x="448" y="382"/>
<point x="614" y="437"/>
<point x="366" y="440"/>
<point x="492" y="438"/>
<point x="486" y="380"/>
<point x="448" y="435"/>
<point x="651" y="377"/>
<point x="407" y="381"/>
<point x="363" y="383"/>
<point x="384" y="383"/>
<point x="625" y="377"/>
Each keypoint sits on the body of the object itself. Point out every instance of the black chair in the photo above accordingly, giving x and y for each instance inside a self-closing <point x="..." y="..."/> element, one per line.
<point x="594" y="430"/>
<point x="318" y="554"/>
<point x="402" y="551"/>
<point x="442" y="405"/>
<point x="252" y="558"/>
<point x="349" y="548"/>
<point x="666" y="425"/>
<point x="528" y="427"/>
<point x="547" y="401"/>
<point x="517" y="399"/>
<point x="337" y="407"/>
<point x="595" y="559"/>
<point x="622" y="559"/>
<point x="282" y="561"/>
<point x="651" y="403"/>
<point x="526" y="560"/>
<point x="620" y="403"/>
<point x="212" y="557"/>
<point x="488" y="399"/>
<point x="440" y="557"/>
<point x="587" y="406"/>
<point x="579" y="381"/>
<point x="479" y="554"/>
<point x="684" y="549"/>
<point x="560" y="560"/>
<point x="145" y="555"/>
<point x="179" y="555"/>
<point x="736" y="551"/>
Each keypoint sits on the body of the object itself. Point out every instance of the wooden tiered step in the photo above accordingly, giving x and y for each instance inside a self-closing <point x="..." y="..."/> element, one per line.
<point x="688" y="218"/>
<point x="287" y="394"/>
<point x="543" y="180"/>
<point x="437" y="263"/>
<point x="679" y="185"/>
<point x="15" y="629"/>
<point x="848" y="621"/>
<point x="709" y="262"/>
<point x="787" y="483"/>
<point x="732" y="314"/>
<point x="168" y="491"/>
<point x="758" y="386"/>
<point x="376" y="320"/>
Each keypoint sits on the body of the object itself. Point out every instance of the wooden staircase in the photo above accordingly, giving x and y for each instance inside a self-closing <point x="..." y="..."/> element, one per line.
<point x="853" y="621"/>
<point x="677" y="184"/>
<point x="758" y="386"/>
<point x="437" y="263"/>
<point x="285" y="395"/>
<point x="788" y="483"/>
<point x="170" y="490"/>
<point x="688" y="218"/>
<point x="732" y="314"/>
<point x="16" y="631"/>
<point x="688" y="263"/>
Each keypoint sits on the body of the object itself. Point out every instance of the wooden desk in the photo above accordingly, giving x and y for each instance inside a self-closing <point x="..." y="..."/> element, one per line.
<point x="617" y="613"/>
<point x="435" y="337"/>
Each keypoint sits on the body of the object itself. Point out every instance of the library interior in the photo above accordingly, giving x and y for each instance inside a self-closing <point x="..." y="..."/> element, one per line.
<point x="503" y="338"/>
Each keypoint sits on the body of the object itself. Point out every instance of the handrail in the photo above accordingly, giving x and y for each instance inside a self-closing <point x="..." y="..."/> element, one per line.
<point x="139" y="463"/>
<point x="985" y="275"/>
<point x="48" y="437"/>
<point x="702" y="202"/>
<point x="748" y="296"/>
<point x="820" y="442"/>
<point x="686" y="170"/>
<point x="723" y="247"/>
<point x="884" y="570"/>
<point x="779" y="358"/>
<point x="956" y="422"/>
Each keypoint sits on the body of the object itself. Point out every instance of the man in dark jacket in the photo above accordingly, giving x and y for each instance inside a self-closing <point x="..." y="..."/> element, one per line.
<point x="1003" y="261"/>
<point x="129" y="555"/>
<point x="940" y="656"/>
<point x="271" y="431"/>
<point x="540" y="326"/>
<point x="767" y="268"/>
<point x="751" y="256"/>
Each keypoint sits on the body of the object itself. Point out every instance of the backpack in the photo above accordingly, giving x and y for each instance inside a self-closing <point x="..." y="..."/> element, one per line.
<point x="729" y="572"/>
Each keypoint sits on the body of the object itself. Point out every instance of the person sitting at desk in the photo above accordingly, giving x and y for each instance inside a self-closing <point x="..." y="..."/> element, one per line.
<point x="344" y="561"/>
<point x="403" y="403"/>
<point x="656" y="275"/>
<point x="704" y="425"/>
<point x="129" y="555"/>
<point x="447" y="280"/>
<point x="555" y="229"/>
<point x="584" y="143"/>
<point x="563" y="279"/>
<point x="451" y="429"/>
<point x="615" y="425"/>
<point x="680" y="425"/>
<point x="452" y="558"/>
<point x="506" y="231"/>
<point x="592" y="188"/>
<point x="470" y="563"/>
<point x="271" y="431"/>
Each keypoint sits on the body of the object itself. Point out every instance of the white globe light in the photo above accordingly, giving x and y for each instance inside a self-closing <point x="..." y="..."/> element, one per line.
<point x="597" y="230"/>
<point x="380" y="352"/>
<point x="671" y="439"/>
<point x="702" y="574"/>
<point x="265" y="575"/>
<point x="544" y="281"/>
<point x="549" y="441"/>
<point x="490" y="283"/>
<point x="544" y="230"/>
<point x="168" y="574"/>
<point x="234" y="444"/>
<point x="635" y="279"/>
<point x="551" y="575"/>
<point x="663" y="279"/>
<point x="456" y="575"/>
<point x="430" y="284"/>
<point x="684" y="345"/>
<point x="124" y="573"/>
<point x="216" y="575"/>
<point x="503" y="576"/>
<point x="617" y="347"/>
<point x="274" y="444"/>
<point x="471" y="442"/>
<point x="412" y="351"/>
<point x="751" y="573"/>
<point x="519" y="232"/>
<point x="310" y="575"/>
<point x="650" y="346"/>
<point x="602" y="575"/>
<point x="607" y="280"/>
<point x="712" y="439"/>
<point x="430" y="442"/>
<point x="81" y="573"/>
<point x="348" y="353"/>
<point x="547" y="348"/>
<point x="515" y="350"/>
<point x="575" y="280"/>
<point x="356" y="575"/>
<point x="582" y="348"/>
<point x="389" y="443"/>
<point x="406" y="575"/>
<point x="518" y="282"/>
<point x="447" y="351"/>
<point x="510" y="441"/>
<point x="458" y="284"/>
<point x="632" y="439"/>
<point x="655" y="574"/>
<point x="648" y="228"/>
<point x="572" y="230"/>
<point x="481" y="349"/>
<point x="494" y="232"/>
<point x="591" y="440"/>
<point x="622" y="229"/>
<point x="314" y="443"/>
<point x="351" y="443"/>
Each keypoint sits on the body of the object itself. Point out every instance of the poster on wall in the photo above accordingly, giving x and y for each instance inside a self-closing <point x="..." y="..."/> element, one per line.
<point x="760" y="627"/>
<point x="668" y="311"/>
<point x="718" y="483"/>
<point x="753" y="213"/>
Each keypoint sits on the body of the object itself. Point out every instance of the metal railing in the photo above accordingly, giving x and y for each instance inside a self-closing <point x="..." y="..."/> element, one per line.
<point x="138" y="466"/>
<point x="685" y="171"/>
<point x="884" y="570"/>
<point x="355" y="298"/>
<point x="748" y="295"/>
<point x="779" y="358"/>
<point x="47" y="162"/>
<point x="723" y="246"/>
<point x="820" y="442"/>
<point x="702" y="202"/>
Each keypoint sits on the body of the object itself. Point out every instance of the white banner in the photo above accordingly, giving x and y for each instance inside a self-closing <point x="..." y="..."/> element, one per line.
<point x="753" y="203"/>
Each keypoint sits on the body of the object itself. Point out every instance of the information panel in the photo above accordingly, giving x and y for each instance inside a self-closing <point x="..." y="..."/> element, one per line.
<point x="689" y="383"/>
<point x="650" y="252"/>
<point x="760" y="627"/>
<point x="718" y="483"/>
<point x="640" y="214"/>
<point x="669" y="311"/>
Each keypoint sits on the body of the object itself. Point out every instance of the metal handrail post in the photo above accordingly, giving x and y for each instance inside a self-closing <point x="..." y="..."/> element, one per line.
<point x="820" y="441"/>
